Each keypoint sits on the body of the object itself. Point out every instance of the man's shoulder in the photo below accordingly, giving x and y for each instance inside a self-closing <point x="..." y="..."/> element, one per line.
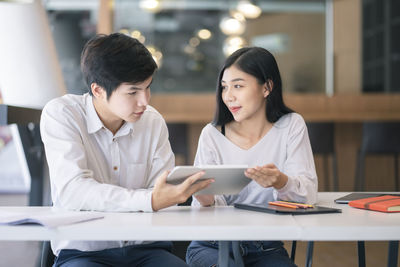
<point x="65" y="101"/>
<point x="67" y="107"/>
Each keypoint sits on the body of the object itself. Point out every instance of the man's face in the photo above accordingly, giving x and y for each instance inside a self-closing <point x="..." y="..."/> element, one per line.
<point x="129" y="101"/>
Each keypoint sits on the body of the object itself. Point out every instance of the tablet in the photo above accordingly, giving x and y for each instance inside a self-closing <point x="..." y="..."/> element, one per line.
<point x="288" y="211"/>
<point x="229" y="179"/>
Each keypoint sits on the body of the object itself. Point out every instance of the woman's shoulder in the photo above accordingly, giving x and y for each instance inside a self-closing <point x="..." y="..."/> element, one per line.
<point x="290" y="119"/>
<point x="211" y="133"/>
<point x="210" y="129"/>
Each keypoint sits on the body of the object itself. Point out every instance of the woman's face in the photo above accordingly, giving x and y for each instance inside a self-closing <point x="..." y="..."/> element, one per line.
<point x="243" y="95"/>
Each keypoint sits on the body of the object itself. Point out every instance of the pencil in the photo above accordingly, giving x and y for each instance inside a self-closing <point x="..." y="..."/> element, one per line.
<point x="302" y="205"/>
<point x="283" y="205"/>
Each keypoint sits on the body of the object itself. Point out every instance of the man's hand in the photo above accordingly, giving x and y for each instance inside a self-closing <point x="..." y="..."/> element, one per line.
<point x="267" y="176"/>
<point x="165" y="195"/>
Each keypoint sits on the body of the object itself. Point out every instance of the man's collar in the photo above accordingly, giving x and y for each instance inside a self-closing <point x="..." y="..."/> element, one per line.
<point x="93" y="121"/>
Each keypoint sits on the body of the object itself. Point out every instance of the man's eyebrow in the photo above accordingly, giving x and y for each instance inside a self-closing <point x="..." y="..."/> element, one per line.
<point x="234" y="80"/>
<point x="133" y="87"/>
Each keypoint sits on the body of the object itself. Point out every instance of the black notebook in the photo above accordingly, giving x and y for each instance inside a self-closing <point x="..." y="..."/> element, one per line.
<point x="359" y="195"/>
<point x="283" y="210"/>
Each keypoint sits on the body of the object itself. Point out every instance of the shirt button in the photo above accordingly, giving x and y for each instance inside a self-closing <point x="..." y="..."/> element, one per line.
<point x="113" y="139"/>
<point x="115" y="168"/>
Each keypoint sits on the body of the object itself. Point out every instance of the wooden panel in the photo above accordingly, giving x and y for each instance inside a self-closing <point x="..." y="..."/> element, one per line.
<point x="347" y="45"/>
<point x="105" y="17"/>
<point x="199" y="108"/>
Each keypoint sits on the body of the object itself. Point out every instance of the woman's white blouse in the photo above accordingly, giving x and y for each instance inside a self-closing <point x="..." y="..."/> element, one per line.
<point x="286" y="145"/>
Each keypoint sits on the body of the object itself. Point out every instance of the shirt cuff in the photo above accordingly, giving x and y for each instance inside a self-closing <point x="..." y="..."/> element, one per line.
<point x="219" y="200"/>
<point x="141" y="200"/>
<point x="287" y="188"/>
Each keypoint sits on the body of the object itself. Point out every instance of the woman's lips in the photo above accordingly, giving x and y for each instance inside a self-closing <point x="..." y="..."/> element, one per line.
<point x="138" y="113"/>
<point x="234" y="109"/>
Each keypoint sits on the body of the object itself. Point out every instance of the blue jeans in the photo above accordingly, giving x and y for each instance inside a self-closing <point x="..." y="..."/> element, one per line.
<point x="254" y="253"/>
<point x="149" y="255"/>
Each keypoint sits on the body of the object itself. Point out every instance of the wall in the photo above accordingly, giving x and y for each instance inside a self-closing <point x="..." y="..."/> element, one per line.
<point x="302" y="66"/>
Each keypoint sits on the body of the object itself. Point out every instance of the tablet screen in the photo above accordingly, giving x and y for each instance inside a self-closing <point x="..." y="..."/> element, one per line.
<point x="229" y="179"/>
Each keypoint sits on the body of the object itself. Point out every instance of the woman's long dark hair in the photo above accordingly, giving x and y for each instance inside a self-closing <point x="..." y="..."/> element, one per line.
<point x="261" y="64"/>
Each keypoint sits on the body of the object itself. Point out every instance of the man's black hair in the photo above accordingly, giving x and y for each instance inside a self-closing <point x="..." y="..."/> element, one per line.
<point x="110" y="60"/>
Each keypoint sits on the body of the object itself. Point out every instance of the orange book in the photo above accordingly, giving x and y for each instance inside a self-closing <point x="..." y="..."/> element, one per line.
<point x="386" y="203"/>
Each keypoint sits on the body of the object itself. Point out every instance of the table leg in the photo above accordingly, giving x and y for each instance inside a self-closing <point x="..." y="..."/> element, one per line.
<point x="310" y="251"/>
<point x="223" y="253"/>
<point x="393" y="253"/>
<point x="361" y="253"/>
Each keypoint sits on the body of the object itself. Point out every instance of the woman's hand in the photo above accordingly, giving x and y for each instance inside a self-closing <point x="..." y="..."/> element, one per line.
<point x="267" y="176"/>
<point x="205" y="200"/>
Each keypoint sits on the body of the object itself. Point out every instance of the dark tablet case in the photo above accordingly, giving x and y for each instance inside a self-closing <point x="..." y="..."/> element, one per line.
<point x="282" y="210"/>
<point x="359" y="195"/>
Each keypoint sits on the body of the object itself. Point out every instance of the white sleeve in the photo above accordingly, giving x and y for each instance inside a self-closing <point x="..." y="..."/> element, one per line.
<point x="205" y="155"/>
<point x="299" y="166"/>
<point x="72" y="182"/>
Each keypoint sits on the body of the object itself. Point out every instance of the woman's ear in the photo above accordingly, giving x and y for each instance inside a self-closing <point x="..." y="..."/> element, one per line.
<point x="268" y="88"/>
<point x="97" y="90"/>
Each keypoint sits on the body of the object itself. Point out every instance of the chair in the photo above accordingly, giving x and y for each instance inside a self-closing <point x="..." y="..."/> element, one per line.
<point x="178" y="140"/>
<point x="378" y="138"/>
<point x="322" y="138"/>
<point x="382" y="138"/>
<point x="47" y="257"/>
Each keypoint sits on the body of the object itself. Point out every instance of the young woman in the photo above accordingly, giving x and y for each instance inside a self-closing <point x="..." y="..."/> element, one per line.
<point x="253" y="126"/>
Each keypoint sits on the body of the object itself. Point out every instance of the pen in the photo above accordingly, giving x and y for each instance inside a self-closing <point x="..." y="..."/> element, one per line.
<point x="283" y="205"/>
<point x="301" y="205"/>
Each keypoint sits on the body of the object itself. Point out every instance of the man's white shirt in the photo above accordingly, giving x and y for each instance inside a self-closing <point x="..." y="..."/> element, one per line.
<point x="92" y="169"/>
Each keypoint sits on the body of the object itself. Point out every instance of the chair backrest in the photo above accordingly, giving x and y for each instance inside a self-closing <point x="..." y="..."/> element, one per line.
<point x="381" y="137"/>
<point x="322" y="137"/>
<point x="47" y="257"/>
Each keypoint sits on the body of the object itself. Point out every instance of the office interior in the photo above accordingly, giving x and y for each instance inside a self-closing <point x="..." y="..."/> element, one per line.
<point x="339" y="62"/>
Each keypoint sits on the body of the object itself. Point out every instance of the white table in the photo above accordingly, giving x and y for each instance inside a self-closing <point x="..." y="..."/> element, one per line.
<point x="220" y="223"/>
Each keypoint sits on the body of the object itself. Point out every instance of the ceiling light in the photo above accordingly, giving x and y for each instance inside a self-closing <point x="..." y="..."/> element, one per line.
<point x="150" y="5"/>
<point x="194" y="41"/>
<point x="156" y="54"/>
<point x="138" y="35"/>
<point x="233" y="43"/>
<point x="237" y="15"/>
<point x="232" y="26"/>
<point x="124" y="31"/>
<point x="204" y="34"/>
<point x="248" y="9"/>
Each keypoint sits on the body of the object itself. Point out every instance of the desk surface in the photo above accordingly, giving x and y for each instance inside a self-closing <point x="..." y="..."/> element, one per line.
<point x="219" y="223"/>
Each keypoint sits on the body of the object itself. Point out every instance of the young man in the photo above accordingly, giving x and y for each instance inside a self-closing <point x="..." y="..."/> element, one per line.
<point x="108" y="150"/>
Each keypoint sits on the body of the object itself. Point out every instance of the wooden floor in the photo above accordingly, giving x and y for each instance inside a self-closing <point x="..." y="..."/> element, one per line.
<point x="341" y="254"/>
